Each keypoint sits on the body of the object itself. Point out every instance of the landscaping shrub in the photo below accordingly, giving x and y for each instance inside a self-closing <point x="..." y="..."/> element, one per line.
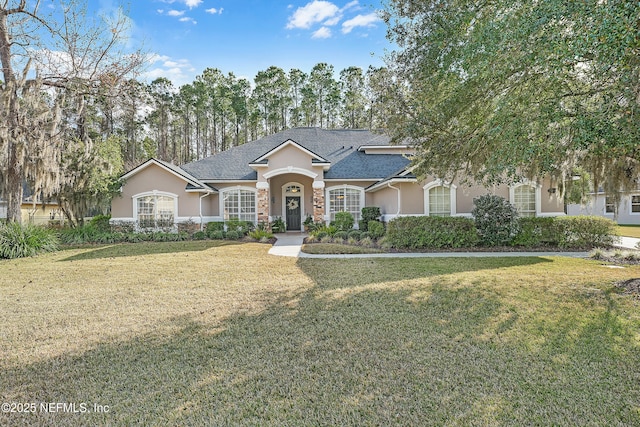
<point x="243" y="227"/>
<point x="342" y="235"/>
<point x="369" y="213"/>
<point x="278" y="225"/>
<point x="214" y="226"/>
<point x="199" y="235"/>
<point x="261" y="234"/>
<point x="234" y="235"/>
<point x="326" y="230"/>
<point x="376" y="229"/>
<point x="496" y="220"/>
<point x="320" y="235"/>
<point x="343" y="221"/>
<point x="354" y="234"/>
<point x="585" y="231"/>
<point x="101" y="223"/>
<point x="365" y="235"/>
<point x="430" y="232"/>
<point x="367" y="242"/>
<point x="535" y="232"/>
<point x="216" y="234"/>
<point x="18" y="241"/>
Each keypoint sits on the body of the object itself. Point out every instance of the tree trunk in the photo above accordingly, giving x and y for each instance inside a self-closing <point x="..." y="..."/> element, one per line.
<point x="14" y="186"/>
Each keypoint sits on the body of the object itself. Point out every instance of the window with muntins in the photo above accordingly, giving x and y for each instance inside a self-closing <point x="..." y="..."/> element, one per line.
<point x="156" y="211"/>
<point x="609" y="205"/>
<point x="239" y="205"/>
<point x="345" y="200"/>
<point x="440" y="201"/>
<point x="635" y="204"/>
<point x="524" y="199"/>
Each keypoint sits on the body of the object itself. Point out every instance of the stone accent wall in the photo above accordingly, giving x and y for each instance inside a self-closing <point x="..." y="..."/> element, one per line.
<point x="263" y="205"/>
<point x="318" y="205"/>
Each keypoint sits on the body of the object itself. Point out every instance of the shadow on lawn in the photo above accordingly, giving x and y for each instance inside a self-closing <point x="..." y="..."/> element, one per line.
<point x="371" y="358"/>
<point x="339" y="273"/>
<point x="118" y="250"/>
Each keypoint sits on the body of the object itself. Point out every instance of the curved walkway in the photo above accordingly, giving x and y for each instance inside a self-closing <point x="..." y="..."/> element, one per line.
<point x="290" y="245"/>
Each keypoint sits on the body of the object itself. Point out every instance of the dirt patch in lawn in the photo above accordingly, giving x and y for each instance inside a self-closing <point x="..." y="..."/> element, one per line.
<point x="630" y="287"/>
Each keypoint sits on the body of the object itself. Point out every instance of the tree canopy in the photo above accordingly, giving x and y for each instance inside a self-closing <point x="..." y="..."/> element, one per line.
<point x="56" y="61"/>
<point x="503" y="89"/>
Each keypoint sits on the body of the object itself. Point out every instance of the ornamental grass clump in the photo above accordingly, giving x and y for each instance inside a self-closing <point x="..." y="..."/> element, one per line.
<point x="17" y="241"/>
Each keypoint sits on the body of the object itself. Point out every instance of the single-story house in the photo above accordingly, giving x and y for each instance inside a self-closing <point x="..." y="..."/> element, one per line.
<point x="626" y="211"/>
<point x="35" y="209"/>
<point x="306" y="172"/>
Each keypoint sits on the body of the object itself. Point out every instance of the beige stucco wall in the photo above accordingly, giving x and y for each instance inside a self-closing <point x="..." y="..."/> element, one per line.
<point x="412" y="199"/>
<point x="290" y="156"/>
<point x="155" y="178"/>
<point x="275" y="196"/>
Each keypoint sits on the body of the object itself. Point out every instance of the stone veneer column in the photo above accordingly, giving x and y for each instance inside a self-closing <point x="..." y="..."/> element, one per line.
<point x="318" y="201"/>
<point x="263" y="202"/>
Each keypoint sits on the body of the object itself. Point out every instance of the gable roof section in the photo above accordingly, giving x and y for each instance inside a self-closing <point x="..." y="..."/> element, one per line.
<point x="289" y="142"/>
<point x="339" y="147"/>
<point x="193" y="183"/>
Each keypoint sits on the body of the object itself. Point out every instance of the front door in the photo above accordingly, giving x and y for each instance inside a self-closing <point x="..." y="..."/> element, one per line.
<point x="293" y="213"/>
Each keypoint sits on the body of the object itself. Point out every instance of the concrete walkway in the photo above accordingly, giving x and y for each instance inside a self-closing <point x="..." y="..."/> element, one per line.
<point x="290" y="244"/>
<point x="627" y="243"/>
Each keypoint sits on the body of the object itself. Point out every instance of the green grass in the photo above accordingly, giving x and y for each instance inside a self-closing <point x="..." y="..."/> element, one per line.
<point x="629" y="230"/>
<point x="221" y="333"/>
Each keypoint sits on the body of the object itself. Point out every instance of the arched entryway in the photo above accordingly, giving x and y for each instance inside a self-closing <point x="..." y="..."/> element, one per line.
<point x="293" y="205"/>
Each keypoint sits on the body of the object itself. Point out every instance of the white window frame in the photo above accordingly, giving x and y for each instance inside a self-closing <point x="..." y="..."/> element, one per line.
<point x="328" y="207"/>
<point x="154" y="193"/>
<point x="609" y="204"/>
<point x="238" y="189"/>
<point x="537" y="194"/>
<point x="452" y="195"/>
<point x="631" y="212"/>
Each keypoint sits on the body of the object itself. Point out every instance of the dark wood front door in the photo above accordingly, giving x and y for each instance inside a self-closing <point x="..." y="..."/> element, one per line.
<point x="292" y="208"/>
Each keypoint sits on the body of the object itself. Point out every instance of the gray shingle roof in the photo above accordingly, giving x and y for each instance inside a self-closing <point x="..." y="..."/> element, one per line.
<point x="340" y="147"/>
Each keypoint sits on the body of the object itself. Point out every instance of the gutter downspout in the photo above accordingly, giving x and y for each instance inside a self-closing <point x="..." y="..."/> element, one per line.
<point x="399" y="200"/>
<point x="208" y="193"/>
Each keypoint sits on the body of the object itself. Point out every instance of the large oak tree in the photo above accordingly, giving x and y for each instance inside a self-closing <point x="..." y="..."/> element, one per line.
<point x="496" y="90"/>
<point x="52" y="58"/>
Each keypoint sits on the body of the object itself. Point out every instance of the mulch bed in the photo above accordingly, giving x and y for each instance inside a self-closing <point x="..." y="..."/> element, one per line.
<point x="630" y="287"/>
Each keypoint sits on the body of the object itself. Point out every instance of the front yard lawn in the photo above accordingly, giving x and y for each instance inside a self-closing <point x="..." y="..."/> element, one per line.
<point x="221" y="333"/>
<point x="629" y="230"/>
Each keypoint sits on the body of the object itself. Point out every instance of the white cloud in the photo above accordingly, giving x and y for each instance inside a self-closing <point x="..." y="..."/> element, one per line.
<point x="351" y="4"/>
<point x="214" y="11"/>
<point x="175" y="13"/>
<point x="179" y="71"/>
<point x="368" y="20"/>
<point x="311" y="13"/>
<point x="188" y="19"/>
<point x="321" y="33"/>
<point x="192" y="3"/>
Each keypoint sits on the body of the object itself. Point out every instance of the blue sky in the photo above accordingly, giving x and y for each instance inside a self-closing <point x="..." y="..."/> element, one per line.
<point x="247" y="36"/>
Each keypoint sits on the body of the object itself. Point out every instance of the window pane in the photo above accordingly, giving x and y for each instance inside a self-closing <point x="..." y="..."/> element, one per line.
<point x="345" y="200"/>
<point x="525" y="200"/>
<point x="440" y="201"/>
<point x="635" y="203"/>
<point x="156" y="211"/>
<point x="239" y="205"/>
<point x="609" y="205"/>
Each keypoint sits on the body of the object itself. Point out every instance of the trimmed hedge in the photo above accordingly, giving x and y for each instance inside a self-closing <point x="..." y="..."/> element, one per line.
<point x="585" y="231"/>
<point x="570" y="232"/>
<point x="536" y="232"/>
<point x="431" y="232"/>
